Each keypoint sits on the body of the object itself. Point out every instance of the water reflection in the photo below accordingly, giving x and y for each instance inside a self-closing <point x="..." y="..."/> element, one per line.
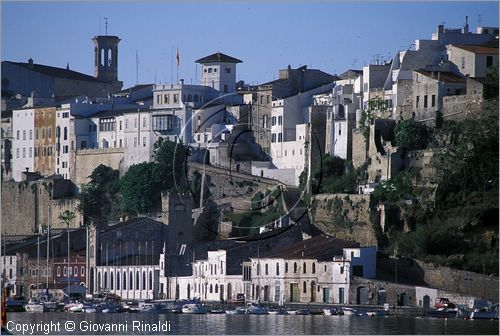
<point x="274" y="324"/>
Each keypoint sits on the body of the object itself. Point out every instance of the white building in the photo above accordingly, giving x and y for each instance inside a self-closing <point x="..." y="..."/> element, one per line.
<point x="23" y="128"/>
<point x="8" y="271"/>
<point x="472" y="61"/>
<point x="314" y="270"/>
<point x="139" y="282"/>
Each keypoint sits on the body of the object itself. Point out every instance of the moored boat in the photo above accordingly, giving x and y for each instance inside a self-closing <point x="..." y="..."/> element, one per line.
<point x="194" y="308"/>
<point x="256" y="309"/>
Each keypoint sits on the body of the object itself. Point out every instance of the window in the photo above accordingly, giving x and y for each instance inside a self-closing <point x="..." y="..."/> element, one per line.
<point x="36" y="152"/>
<point x="304" y="287"/>
<point x="341" y="269"/>
<point x="277" y="269"/>
<point x="433" y="100"/>
<point x="144" y="141"/>
<point x="417" y="103"/>
<point x="143" y="280"/>
<point x="31" y="134"/>
<point x="49" y="131"/>
<point x="65" y="133"/>
<point x="50" y="151"/>
<point x="425" y="101"/>
<point x="210" y="71"/>
<point x="273" y="121"/>
<point x="121" y="124"/>
<point x="135" y="141"/>
<point x="280" y="120"/>
<point x="304" y="268"/>
<point x="268" y="99"/>
<point x="43" y="133"/>
<point x="75" y="271"/>
<point x="82" y="271"/>
<point x="166" y="98"/>
<point x="176" y="98"/>
<point x="135" y="122"/>
<point x="83" y="144"/>
<point x="107" y="124"/>
<point x="17" y="135"/>
<point x="286" y="267"/>
<point x="126" y="123"/>
<point x="294" y="267"/>
<point x="30" y="152"/>
<point x="314" y="268"/>
<point x="24" y="153"/>
<point x="273" y="137"/>
<point x="65" y="115"/>
<point x="340" y="129"/>
<point x="280" y="137"/>
<point x="228" y="70"/>
<point x="162" y="123"/>
<point x="489" y="61"/>
<point x="24" y="134"/>
<point x="65" y="149"/>
<point x="17" y="153"/>
<point x="58" y="270"/>
<point x="158" y="99"/>
<point x="267" y="269"/>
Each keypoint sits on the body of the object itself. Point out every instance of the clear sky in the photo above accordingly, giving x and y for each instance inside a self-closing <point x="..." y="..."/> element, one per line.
<point x="267" y="36"/>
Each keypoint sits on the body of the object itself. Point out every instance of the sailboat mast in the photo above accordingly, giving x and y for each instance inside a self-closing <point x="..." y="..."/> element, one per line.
<point x="48" y="251"/>
<point x="38" y="263"/>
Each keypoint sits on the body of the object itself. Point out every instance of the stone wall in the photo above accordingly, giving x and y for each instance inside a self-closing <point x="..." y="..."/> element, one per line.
<point x="358" y="148"/>
<point x="344" y="216"/>
<point x="85" y="161"/>
<point x="224" y="183"/>
<point x="461" y="107"/>
<point x="443" y="278"/>
<point x="27" y="206"/>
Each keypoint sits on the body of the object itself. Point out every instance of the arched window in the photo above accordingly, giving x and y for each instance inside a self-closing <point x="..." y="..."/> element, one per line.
<point x="112" y="281"/>
<point x="143" y="280"/>
<point x="130" y="280"/>
<point x="304" y="287"/>
<point x="286" y="267"/>
<point x="82" y="271"/>
<point x="211" y="288"/>
<point x="216" y="288"/>
<point x="118" y="280"/>
<point x="124" y="280"/>
<point x="65" y="133"/>
<point x="65" y="271"/>
<point x="277" y="269"/>
<point x="294" y="267"/>
<point x="110" y="58"/>
<point x="137" y="280"/>
<point x="102" y="57"/>
<point x="106" y="280"/>
<point x="267" y="269"/>
<point x="98" y="280"/>
<point x="58" y="270"/>
<point x="75" y="271"/>
<point x="304" y="269"/>
<point x="314" y="268"/>
<point x="150" y="280"/>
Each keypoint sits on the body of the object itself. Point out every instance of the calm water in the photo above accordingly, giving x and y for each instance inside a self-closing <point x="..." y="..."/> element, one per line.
<point x="248" y="324"/>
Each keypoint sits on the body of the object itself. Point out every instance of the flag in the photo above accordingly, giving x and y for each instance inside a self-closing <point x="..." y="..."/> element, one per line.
<point x="177" y="58"/>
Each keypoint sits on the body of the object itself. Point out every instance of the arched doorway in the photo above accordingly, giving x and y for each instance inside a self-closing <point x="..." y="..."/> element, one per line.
<point x="381" y="298"/>
<point x="362" y="295"/>
<point x="313" y="291"/>
<point x="266" y="293"/>
<point x="403" y="299"/>
<point x="427" y="301"/>
<point x="229" y="294"/>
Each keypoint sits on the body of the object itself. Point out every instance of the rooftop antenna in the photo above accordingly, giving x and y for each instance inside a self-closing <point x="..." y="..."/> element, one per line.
<point x="106" y="22"/>
<point x="137" y="67"/>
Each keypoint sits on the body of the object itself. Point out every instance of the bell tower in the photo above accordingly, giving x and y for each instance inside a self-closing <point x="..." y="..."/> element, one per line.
<point x="106" y="58"/>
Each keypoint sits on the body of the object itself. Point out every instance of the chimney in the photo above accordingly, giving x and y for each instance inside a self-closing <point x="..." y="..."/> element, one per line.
<point x="440" y="29"/>
<point x="466" y="27"/>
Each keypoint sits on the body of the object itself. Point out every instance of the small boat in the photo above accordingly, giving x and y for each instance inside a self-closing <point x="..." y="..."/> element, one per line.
<point x="349" y="311"/>
<point x="217" y="311"/>
<point x="256" y="309"/>
<point x="442" y="313"/>
<point x="34" y="307"/>
<point x="15" y="305"/>
<point x="486" y="313"/>
<point x="279" y="311"/>
<point x="302" y="311"/>
<point x="237" y="311"/>
<point x="194" y="308"/>
<point x="330" y="311"/>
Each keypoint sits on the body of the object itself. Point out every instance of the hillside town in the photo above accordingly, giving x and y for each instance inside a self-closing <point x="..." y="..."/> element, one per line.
<point x="285" y="192"/>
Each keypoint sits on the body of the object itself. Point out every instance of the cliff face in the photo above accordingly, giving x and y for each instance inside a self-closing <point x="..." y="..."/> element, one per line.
<point x="345" y="216"/>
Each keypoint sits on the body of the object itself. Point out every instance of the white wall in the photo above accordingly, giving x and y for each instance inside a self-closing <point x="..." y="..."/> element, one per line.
<point x="23" y="124"/>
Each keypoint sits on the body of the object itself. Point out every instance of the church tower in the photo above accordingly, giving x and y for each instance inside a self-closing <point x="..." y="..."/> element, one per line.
<point x="106" y="58"/>
<point x="219" y="72"/>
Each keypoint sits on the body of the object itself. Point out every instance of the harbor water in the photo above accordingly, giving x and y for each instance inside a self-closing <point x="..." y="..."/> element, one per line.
<point x="165" y="324"/>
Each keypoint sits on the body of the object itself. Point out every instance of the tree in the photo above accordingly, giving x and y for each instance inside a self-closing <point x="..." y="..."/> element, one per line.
<point x="99" y="199"/>
<point x="141" y="188"/>
<point x="67" y="217"/>
<point x="412" y="135"/>
<point x="171" y="158"/>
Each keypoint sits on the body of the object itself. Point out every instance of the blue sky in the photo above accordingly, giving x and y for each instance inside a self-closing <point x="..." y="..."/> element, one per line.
<point x="331" y="36"/>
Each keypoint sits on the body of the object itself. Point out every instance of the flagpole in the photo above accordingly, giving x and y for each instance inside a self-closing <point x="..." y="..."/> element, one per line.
<point x="177" y="58"/>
